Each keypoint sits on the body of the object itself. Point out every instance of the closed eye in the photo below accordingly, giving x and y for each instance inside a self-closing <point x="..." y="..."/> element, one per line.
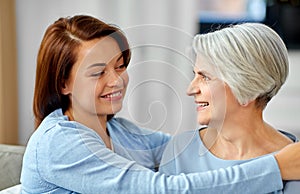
<point x="97" y="74"/>
<point x="203" y="76"/>
<point x="121" y="67"/>
<point x="96" y="69"/>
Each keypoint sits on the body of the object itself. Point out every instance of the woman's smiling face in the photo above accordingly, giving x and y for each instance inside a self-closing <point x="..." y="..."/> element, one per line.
<point x="209" y="93"/>
<point x="98" y="79"/>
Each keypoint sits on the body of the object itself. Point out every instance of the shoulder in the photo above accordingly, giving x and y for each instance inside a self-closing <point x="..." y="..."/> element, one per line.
<point x="58" y="140"/>
<point x="289" y="135"/>
<point x="58" y="124"/>
<point x="53" y="120"/>
<point x="56" y="131"/>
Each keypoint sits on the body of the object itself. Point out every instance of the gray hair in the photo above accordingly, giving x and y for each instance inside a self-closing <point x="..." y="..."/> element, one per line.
<point x="250" y="57"/>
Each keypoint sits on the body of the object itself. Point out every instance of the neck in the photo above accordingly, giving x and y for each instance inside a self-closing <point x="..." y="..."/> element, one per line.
<point x="244" y="135"/>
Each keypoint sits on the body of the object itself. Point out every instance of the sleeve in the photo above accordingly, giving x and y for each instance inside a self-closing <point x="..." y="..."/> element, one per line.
<point x="168" y="164"/>
<point x="143" y="145"/>
<point x="158" y="145"/>
<point x="77" y="161"/>
<point x="292" y="187"/>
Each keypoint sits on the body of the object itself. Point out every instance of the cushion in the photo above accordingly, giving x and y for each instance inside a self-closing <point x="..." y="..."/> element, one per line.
<point x="11" y="157"/>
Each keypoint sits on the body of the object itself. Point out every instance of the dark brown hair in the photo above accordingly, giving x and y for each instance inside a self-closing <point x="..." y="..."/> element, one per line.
<point x="57" y="55"/>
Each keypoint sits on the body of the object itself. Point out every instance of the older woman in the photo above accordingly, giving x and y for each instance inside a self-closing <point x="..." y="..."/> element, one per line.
<point x="238" y="70"/>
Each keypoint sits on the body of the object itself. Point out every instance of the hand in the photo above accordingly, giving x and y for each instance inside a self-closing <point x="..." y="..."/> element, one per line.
<point x="289" y="161"/>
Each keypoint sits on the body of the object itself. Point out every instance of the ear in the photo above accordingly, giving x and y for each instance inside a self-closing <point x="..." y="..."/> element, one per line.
<point x="245" y="104"/>
<point x="65" y="89"/>
<point x="251" y="102"/>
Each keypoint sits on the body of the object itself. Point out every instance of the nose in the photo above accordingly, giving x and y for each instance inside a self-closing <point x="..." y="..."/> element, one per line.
<point x="193" y="88"/>
<point x="114" y="79"/>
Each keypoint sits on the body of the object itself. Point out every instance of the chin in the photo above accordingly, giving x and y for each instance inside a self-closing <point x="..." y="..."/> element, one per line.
<point x="204" y="117"/>
<point x="115" y="109"/>
<point x="202" y="121"/>
<point x="109" y="110"/>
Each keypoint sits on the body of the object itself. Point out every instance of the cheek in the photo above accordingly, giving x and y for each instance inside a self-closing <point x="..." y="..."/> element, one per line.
<point x="86" y="94"/>
<point x="218" y="98"/>
<point x="125" y="78"/>
<point x="85" y="88"/>
<point x="96" y="89"/>
<point x="219" y="93"/>
<point x="209" y="91"/>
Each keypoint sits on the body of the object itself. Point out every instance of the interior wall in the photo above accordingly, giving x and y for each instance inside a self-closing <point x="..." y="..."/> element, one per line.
<point x="160" y="33"/>
<point x="8" y="74"/>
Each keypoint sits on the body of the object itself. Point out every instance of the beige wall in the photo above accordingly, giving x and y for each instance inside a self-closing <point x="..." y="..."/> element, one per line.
<point x="8" y="74"/>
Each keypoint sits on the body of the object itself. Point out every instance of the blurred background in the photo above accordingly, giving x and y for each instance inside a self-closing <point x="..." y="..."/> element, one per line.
<point x="160" y="35"/>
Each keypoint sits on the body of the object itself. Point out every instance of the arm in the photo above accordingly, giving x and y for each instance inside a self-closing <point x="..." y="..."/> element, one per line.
<point x="289" y="161"/>
<point x="138" y="144"/>
<point x="81" y="163"/>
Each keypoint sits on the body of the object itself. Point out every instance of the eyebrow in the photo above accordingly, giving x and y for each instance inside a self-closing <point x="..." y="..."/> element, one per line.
<point x="201" y="72"/>
<point x="102" y="64"/>
<point x="97" y="65"/>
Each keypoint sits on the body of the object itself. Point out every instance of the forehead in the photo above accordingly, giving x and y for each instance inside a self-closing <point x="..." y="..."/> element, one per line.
<point x="202" y="63"/>
<point x="100" y="50"/>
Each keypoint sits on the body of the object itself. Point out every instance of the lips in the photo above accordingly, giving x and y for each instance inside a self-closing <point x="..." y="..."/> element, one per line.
<point x="113" y="96"/>
<point x="201" y="105"/>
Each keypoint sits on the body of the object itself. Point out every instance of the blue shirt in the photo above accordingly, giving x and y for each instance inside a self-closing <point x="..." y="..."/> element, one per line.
<point x="186" y="153"/>
<point x="64" y="156"/>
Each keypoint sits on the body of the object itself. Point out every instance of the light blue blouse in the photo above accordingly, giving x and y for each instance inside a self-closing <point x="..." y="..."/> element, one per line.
<point x="64" y="156"/>
<point x="186" y="153"/>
